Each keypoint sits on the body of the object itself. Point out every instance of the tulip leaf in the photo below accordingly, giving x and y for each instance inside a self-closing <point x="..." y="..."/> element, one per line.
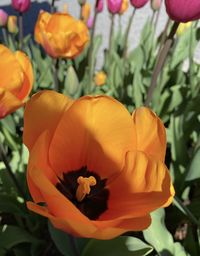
<point x="9" y="124"/>
<point x="120" y="246"/>
<point x="11" y="236"/>
<point x="64" y="242"/>
<point x="160" y="238"/>
<point x="193" y="172"/>
<point x="71" y="82"/>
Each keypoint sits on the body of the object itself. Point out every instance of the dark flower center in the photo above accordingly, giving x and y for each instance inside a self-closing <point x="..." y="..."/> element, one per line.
<point x="94" y="203"/>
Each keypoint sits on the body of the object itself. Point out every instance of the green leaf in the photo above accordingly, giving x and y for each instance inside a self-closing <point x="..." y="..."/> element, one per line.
<point x="11" y="236"/>
<point x="160" y="238"/>
<point x="193" y="172"/>
<point x="120" y="246"/>
<point x="9" y="124"/>
<point x="64" y="243"/>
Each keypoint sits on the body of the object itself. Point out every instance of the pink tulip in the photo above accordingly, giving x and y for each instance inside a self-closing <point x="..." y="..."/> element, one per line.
<point x="114" y="6"/>
<point x="138" y="3"/>
<point x="100" y="6"/>
<point x="3" y="18"/>
<point x="21" y="5"/>
<point x="90" y="22"/>
<point x="183" y="10"/>
<point x="156" y="4"/>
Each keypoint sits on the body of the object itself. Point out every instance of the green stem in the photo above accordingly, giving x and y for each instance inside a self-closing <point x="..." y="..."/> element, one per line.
<point x="164" y="35"/>
<point x="157" y="16"/>
<point x="21" y="32"/>
<point x="160" y="62"/>
<point x="111" y="34"/>
<point x="55" y="66"/>
<point x="52" y="6"/>
<point x="90" y="53"/>
<point x="73" y="245"/>
<point x="5" y="37"/>
<point x="187" y="211"/>
<point x="4" y="159"/>
<point x="127" y="34"/>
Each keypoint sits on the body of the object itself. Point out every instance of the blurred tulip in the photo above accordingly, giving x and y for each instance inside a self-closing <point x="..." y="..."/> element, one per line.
<point x="3" y="18"/>
<point x="183" y="10"/>
<point x="85" y="12"/>
<point x="90" y="22"/>
<point x="21" y="5"/>
<point x="16" y="80"/>
<point x="100" y="78"/>
<point x="156" y="4"/>
<point x="183" y="27"/>
<point x="114" y="6"/>
<point x="12" y="24"/>
<point x="81" y="2"/>
<point x="138" y="3"/>
<point x="99" y="6"/>
<point x="124" y="7"/>
<point x="61" y="35"/>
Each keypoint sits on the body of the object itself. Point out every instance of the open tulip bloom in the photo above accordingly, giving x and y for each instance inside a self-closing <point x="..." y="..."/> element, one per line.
<point x="98" y="171"/>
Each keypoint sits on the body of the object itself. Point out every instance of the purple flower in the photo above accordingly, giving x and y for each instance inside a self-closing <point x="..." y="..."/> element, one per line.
<point x="21" y="5"/>
<point x="3" y="18"/>
<point x="114" y="6"/>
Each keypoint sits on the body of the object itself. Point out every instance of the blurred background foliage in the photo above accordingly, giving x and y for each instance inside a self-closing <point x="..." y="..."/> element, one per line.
<point x="176" y="100"/>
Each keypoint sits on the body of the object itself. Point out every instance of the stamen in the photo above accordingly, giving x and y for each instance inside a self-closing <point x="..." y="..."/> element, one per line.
<point x="84" y="187"/>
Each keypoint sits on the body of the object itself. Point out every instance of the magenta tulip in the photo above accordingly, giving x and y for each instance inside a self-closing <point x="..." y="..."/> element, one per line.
<point x="183" y="10"/>
<point x="21" y="5"/>
<point x="3" y="18"/>
<point x="114" y="6"/>
<point x="138" y="3"/>
<point x="90" y="22"/>
<point x="100" y="6"/>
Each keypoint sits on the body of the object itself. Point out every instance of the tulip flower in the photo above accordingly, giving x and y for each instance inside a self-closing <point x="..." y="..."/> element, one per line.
<point x="12" y="24"/>
<point x="90" y="22"/>
<point x="3" y="18"/>
<point x="61" y="35"/>
<point x="100" y="78"/>
<point x="114" y="6"/>
<point x="183" y="27"/>
<point x="99" y="6"/>
<point x="85" y="12"/>
<point x="138" y="3"/>
<point x="97" y="171"/>
<point x="124" y="7"/>
<point x="156" y="4"/>
<point x="16" y="80"/>
<point x="183" y="10"/>
<point x="21" y="5"/>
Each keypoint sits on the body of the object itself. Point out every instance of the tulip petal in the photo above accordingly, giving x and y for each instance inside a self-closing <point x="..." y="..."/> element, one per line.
<point x="35" y="117"/>
<point x="151" y="137"/>
<point x="144" y="186"/>
<point x="28" y="75"/>
<point x="94" y="132"/>
<point x="8" y="103"/>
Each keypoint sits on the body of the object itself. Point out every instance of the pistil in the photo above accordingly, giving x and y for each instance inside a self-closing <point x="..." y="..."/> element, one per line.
<point x="84" y="187"/>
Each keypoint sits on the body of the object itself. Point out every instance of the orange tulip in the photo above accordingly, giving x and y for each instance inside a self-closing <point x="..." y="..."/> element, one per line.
<point x="124" y="7"/>
<point x="61" y="35"/>
<point x="16" y="80"/>
<point x="85" y="12"/>
<point x="99" y="171"/>
<point x="100" y="78"/>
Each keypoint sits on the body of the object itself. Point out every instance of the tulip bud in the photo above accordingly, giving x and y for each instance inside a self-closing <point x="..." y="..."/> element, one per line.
<point x="12" y="24"/>
<point x="99" y="6"/>
<point x="3" y="18"/>
<point x="90" y="22"/>
<point x="85" y="12"/>
<point x="155" y="4"/>
<point x="114" y="6"/>
<point x="21" y="5"/>
<point x="124" y="7"/>
<point x="100" y="78"/>
<point x="82" y="2"/>
<point x="183" y="10"/>
<point x="183" y="27"/>
<point x="138" y="3"/>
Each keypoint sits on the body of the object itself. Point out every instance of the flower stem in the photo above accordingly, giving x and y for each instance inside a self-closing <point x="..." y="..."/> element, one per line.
<point x="21" y="32"/>
<point x="164" y="35"/>
<point x="160" y="62"/>
<point x="91" y="49"/>
<point x="127" y="34"/>
<point x="157" y="16"/>
<point x="111" y="34"/>
<point x="52" y="6"/>
<point x="55" y="66"/>
<point x="4" y="159"/>
<point x="73" y="245"/>
<point x="187" y="211"/>
<point x="5" y="36"/>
